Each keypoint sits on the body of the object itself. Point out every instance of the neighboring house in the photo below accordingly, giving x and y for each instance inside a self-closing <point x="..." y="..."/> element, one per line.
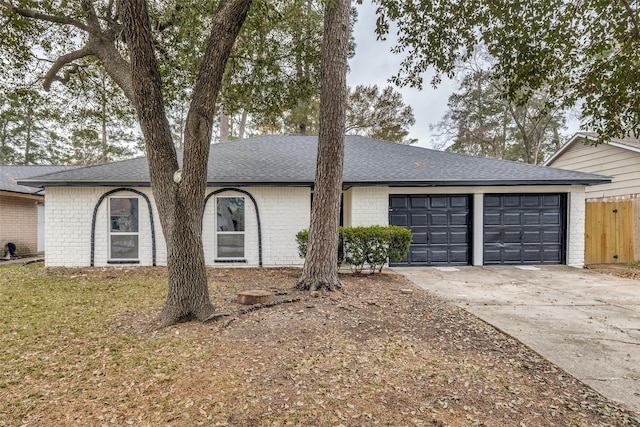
<point x="22" y="209"/>
<point x="612" y="232"/>
<point x="462" y="210"/>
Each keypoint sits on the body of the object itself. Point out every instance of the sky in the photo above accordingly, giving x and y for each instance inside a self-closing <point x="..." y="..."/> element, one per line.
<point x="373" y="63"/>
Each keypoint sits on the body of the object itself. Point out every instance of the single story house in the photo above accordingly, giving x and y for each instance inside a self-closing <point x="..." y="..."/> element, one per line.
<point x="462" y="210"/>
<point x="612" y="208"/>
<point x="22" y="209"/>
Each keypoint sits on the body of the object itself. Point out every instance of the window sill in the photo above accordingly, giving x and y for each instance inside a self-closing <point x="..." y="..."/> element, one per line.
<point x="124" y="262"/>
<point x="229" y="261"/>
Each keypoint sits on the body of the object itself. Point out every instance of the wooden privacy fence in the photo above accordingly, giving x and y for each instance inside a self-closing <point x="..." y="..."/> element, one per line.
<point x="611" y="232"/>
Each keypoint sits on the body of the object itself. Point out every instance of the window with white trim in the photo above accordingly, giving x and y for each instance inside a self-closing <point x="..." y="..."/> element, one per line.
<point x="123" y="229"/>
<point x="230" y="228"/>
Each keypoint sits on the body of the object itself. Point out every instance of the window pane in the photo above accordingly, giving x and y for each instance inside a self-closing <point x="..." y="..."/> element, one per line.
<point x="124" y="215"/>
<point x="231" y="245"/>
<point x="124" y="247"/>
<point x="230" y="211"/>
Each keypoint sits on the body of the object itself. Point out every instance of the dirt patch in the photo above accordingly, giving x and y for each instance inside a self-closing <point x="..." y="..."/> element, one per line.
<point x="619" y="270"/>
<point x="382" y="352"/>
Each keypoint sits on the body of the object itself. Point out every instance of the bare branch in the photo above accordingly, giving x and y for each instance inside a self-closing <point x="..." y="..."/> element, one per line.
<point x="52" y="74"/>
<point x="62" y="20"/>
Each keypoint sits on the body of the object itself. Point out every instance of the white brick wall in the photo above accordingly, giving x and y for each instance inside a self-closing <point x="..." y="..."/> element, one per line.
<point x="576" y="226"/>
<point x="370" y="206"/>
<point x="68" y="212"/>
<point x="283" y="212"/>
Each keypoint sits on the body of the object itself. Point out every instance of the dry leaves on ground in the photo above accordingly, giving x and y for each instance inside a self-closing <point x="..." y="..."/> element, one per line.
<point x="383" y="352"/>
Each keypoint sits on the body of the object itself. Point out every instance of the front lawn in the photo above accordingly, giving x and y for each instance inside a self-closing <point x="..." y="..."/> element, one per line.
<point x="76" y="349"/>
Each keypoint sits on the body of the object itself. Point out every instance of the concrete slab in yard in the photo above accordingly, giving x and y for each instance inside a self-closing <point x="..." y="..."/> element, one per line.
<point x="585" y="322"/>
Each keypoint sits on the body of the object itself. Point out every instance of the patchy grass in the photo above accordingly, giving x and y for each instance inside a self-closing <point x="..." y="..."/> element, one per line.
<point x="76" y="350"/>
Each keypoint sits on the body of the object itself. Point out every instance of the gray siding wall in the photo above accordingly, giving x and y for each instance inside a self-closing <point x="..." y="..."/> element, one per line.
<point x="620" y="164"/>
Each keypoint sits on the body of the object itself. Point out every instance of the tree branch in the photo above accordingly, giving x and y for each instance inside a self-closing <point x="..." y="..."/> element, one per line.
<point x="633" y="17"/>
<point x="62" y="20"/>
<point x="52" y="74"/>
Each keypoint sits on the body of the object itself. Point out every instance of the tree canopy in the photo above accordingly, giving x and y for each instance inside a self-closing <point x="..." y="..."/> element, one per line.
<point x="370" y="111"/>
<point x="583" y="53"/>
<point x="481" y="122"/>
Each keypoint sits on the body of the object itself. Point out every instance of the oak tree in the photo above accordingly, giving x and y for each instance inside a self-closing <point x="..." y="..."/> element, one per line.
<point x="128" y="41"/>
<point x="581" y="52"/>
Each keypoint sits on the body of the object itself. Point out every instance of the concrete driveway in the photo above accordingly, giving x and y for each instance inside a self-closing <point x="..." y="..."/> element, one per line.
<point x="585" y="322"/>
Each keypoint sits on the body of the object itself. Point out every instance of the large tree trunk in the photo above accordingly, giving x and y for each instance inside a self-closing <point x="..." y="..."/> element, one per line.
<point x="321" y="267"/>
<point x="180" y="205"/>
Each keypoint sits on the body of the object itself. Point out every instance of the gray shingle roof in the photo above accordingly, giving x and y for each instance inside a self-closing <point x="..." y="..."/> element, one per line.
<point x="290" y="160"/>
<point x="10" y="175"/>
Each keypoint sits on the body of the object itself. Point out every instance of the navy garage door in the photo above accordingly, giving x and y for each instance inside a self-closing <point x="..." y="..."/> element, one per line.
<point x="524" y="228"/>
<point x="440" y="227"/>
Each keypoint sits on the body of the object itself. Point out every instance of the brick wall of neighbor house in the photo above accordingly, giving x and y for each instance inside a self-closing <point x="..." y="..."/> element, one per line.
<point x="19" y="224"/>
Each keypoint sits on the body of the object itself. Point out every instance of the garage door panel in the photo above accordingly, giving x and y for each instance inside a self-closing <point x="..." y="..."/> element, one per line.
<point x="396" y="202"/>
<point x="532" y="237"/>
<point x="459" y="257"/>
<point x="492" y="219"/>
<point x="459" y="238"/>
<point x="524" y="228"/>
<point x="439" y="202"/>
<point x="419" y="256"/>
<point x="439" y="238"/>
<point x="492" y="201"/>
<point x="511" y="201"/>
<point x="459" y="201"/>
<point x="551" y="218"/>
<point x="418" y="220"/>
<point x="511" y="218"/>
<point x="552" y="256"/>
<point x="459" y="219"/>
<point x="552" y="237"/>
<point x="439" y="256"/>
<point x="440" y="228"/>
<point x="531" y="218"/>
<point x="512" y="255"/>
<point x="511" y="236"/>
<point x="399" y="219"/>
<point x="439" y="219"/>
<point x="532" y="255"/>
<point x="531" y="201"/>
<point x="420" y="236"/>
<point x="418" y="202"/>
<point x="554" y="200"/>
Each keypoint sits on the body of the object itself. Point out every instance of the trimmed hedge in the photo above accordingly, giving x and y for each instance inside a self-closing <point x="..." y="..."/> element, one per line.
<point x="370" y="246"/>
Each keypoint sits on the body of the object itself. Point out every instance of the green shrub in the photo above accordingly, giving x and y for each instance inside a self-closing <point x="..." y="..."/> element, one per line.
<point x="371" y="246"/>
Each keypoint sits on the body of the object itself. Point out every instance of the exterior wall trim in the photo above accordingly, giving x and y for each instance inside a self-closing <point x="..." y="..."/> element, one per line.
<point x="255" y="206"/>
<point x="95" y="213"/>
